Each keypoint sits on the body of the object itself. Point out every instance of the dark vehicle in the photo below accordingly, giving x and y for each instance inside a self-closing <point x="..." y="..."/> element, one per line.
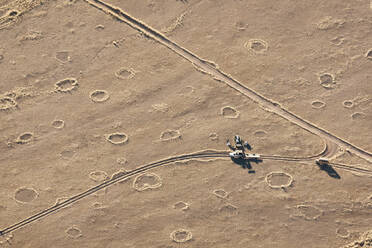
<point x="238" y="142"/>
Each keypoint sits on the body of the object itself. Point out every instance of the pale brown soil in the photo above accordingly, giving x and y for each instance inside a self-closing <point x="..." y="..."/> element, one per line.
<point x="86" y="96"/>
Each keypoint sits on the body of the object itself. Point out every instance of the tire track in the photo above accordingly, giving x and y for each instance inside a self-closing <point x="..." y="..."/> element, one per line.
<point x="113" y="180"/>
<point x="351" y="168"/>
<point x="184" y="157"/>
<point x="329" y="151"/>
<point x="336" y="165"/>
<point x="212" y="69"/>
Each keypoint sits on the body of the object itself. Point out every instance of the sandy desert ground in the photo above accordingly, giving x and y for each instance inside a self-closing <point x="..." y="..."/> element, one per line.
<point x="91" y="91"/>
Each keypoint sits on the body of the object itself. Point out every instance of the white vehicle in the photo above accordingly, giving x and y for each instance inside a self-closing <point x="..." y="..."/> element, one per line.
<point x="322" y="161"/>
<point x="253" y="156"/>
<point x="237" y="154"/>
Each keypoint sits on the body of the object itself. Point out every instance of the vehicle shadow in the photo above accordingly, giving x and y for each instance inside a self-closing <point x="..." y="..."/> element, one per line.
<point x="329" y="170"/>
<point x="246" y="163"/>
<point x="247" y="145"/>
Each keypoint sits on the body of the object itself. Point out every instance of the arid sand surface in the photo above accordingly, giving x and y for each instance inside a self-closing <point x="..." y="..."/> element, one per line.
<point x="86" y="98"/>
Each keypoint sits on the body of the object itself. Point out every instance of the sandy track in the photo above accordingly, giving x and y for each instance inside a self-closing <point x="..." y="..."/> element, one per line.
<point x="219" y="75"/>
<point x="113" y="180"/>
<point x="330" y="149"/>
<point x="327" y="151"/>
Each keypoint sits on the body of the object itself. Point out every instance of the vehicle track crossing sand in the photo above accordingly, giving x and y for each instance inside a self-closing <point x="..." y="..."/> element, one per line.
<point x="185" y="157"/>
<point x="217" y="74"/>
<point x="113" y="180"/>
<point x="329" y="151"/>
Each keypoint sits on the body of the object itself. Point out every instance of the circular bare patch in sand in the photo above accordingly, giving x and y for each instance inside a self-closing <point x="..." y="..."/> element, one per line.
<point x="170" y="134"/>
<point x="25" y="195"/>
<point x="369" y="54"/>
<point x="121" y="161"/>
<point x="66" y="85"/>
<point x="117" y="138"/>
<point x="99" y="96"/>
<point x="187" y="90"/>
<point x="278" y="180"/>
<point x="125" y="73"/>
<point x="63" y="56"/>
<point x="98" y="176"/>
<point x="25" y="138"/>
<point x="220" y="193"/>
<point x="147" y="181"/>
<point x="73" y="232"/>
<point x="59" y="124"/>
<point x="327" y="81"/>
<point x="358" y="116"/>
<point x="365" y="104"/>
<point x="98" y="205"/>
<point x="181" y="205"/>
<point x="229" y="112"/>
<point x="181" y="236"/>
<point x="348" y="104"/>
<point x="309" y="212"/>
<point x="213" y="136"/>
<point x="260" y="133"/>
<point x="256" y="45"/>
<point x="342" y="232"/>
<point x="68" y="153"/>
<point x="7" y="103"/>
<point x="229" y="210"/>
<point x="318" y="104"/>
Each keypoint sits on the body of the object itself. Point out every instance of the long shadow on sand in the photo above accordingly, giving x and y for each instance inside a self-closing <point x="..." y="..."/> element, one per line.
<point x="246" y="163"/>
<point x="330" y="171"/>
